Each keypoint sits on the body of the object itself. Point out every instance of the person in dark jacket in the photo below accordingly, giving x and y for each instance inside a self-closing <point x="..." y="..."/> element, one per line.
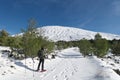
<point x="41" y="55"/>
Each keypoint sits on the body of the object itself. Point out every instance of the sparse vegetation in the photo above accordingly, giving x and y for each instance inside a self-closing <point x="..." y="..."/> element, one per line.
<point x="30" y="43"/>
<point x="115" y="47"/>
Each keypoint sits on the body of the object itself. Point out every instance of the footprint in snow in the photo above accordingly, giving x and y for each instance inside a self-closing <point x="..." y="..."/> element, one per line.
<point x="61" y="73"/>
<point x="72" y="73"/>
<point x="3" y="74"/>
<point x="55" y="77"/>
<point x="53" y="69"/>
<point x="66" y="70"/>
<point x="65" y="76"/>
<point x="75" y="70"/>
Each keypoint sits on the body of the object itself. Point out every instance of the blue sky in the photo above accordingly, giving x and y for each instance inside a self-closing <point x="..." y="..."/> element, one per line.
<point x="94" y="15"/>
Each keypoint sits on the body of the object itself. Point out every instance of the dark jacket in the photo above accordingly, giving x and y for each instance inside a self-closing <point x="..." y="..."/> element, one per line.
<point x="41" y="54"/>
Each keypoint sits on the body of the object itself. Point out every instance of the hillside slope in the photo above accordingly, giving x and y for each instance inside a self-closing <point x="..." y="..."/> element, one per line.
<point x="57" y="33"/>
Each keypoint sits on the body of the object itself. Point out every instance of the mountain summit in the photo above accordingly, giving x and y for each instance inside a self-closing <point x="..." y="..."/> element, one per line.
<point x="60" y="33"/>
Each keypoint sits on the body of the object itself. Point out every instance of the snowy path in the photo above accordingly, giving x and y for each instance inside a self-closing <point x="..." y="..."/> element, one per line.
<point x="67" y="69"/>
<point x="69" y="65"/>
<point x="76" y="69"/>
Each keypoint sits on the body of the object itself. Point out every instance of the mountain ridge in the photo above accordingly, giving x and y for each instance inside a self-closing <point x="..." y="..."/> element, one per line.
<point x="65" y="33"/>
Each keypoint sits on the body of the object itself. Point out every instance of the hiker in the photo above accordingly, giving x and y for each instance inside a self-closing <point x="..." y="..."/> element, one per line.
<point x="41" y="55"/>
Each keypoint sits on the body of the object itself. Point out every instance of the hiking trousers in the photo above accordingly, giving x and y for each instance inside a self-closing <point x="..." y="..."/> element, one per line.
<point x="41" y="62"/>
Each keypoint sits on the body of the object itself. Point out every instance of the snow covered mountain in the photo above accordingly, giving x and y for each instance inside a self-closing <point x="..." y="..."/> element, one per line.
<point x="57" y="33"/>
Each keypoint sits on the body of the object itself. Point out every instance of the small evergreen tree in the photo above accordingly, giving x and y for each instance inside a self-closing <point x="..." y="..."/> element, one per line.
<point x="85" y="47"/>
<point x="29" y="39"/>
<point x="15" y="42"/>
<point x="32" y="42"/>
<point x="116" y="47"/>
<point x="101" y="47"/>
<point x="98" y="36"/>
<point x="3" y="37"/>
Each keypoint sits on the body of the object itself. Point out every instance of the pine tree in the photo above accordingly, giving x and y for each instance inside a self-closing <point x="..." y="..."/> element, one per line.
<point x="29" y="39"/>
<point x="3" y="37"/>
<point x="116" y="47"/>
<point x="101" y="47"/>
<point x="98" y="36"/>
<point x="85" y="47"/>
<point x="15" y="42"/>
<point x="32" y="42"/>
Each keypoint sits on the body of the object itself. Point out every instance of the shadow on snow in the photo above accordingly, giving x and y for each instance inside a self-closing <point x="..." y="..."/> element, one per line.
<point x="23" y="65"/>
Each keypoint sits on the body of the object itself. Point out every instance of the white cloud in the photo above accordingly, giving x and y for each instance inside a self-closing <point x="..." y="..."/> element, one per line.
<point x="116" y="7"/>
<point x="86" y="22"/>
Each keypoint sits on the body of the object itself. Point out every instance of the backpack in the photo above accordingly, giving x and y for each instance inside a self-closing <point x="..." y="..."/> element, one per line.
<point x="40" y="54"/>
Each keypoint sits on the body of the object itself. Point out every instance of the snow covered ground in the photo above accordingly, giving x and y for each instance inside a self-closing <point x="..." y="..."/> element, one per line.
<point x="69" y="64"/>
